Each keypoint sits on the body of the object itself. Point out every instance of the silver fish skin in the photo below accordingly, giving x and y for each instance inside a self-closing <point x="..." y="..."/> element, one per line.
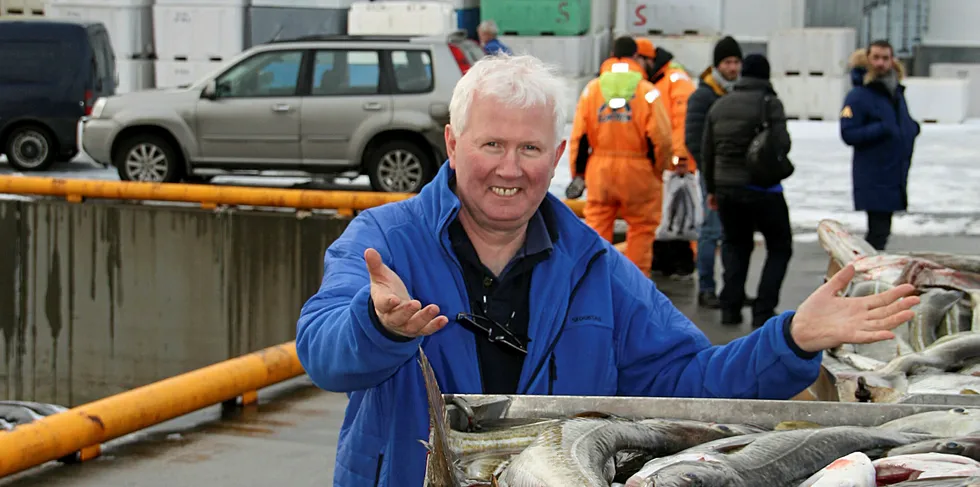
<point x="941" y="482"/>
<point x="780" y="458"/>
<point x="945" y="353"/>
<point x="929" y="315"/>
<point x="841" y="244"/>
<point x="965" y="446"/>
<point x="504" y="439"/>
<point x="711" y="450"/>
<point x="577" y="451"/>
<point x="941" y="424"/>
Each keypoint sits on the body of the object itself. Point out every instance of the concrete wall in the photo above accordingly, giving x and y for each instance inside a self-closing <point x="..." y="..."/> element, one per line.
<point x="98" y="298"/>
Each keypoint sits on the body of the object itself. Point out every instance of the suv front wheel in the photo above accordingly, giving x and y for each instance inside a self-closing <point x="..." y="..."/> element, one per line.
<point x="148" y="158"/>
<point x="399" y="166"/>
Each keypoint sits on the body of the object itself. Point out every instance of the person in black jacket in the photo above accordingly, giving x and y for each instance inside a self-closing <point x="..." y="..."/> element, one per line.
<point x="715" y="82"/>
<point x="731" y="125"/>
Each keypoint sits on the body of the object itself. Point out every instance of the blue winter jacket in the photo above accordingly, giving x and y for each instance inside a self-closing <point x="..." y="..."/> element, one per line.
<point x="598" y="327"/>
<point x="882" y="132"/>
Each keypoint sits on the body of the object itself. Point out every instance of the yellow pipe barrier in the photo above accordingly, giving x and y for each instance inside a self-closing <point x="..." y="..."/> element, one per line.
<point x="84" y="428"/>
<point x="208" y="195"/>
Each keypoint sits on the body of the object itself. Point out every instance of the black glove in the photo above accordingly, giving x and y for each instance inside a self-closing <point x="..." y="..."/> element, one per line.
<point x="575" y="188"/>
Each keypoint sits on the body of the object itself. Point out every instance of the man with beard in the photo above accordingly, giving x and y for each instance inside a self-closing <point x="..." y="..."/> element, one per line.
<point x="875" y="121"/>
<point x="716" y="81"/>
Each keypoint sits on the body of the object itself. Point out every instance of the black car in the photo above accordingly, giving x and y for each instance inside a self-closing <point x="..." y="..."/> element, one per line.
<point x="51" y="72"/>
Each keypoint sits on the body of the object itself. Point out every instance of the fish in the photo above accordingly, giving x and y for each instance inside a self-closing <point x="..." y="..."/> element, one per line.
<point x="441" y="464"/>
<point x="883" y="350"/>
<point x="795" y="425"/>
<point x="781" y="457"/>
<point x="710" y="451"/>
<point x="950" y="422"/>
<point x="921" y="272"/>
<point x="854" y="470"/>
<point x="577" y="451"/>
<point x="945" y="353"/>
<point x="966" y="263"/>
<point x="481" y="467"/>
<point x="512" y="438"/>
<point x="841" y="244"/>
<point x="943" y="383"/>
<point x="932" y="309"/>
<point x="899" y="468"/>
<point x="966" y="446"/>
<point x="883" y="268"/>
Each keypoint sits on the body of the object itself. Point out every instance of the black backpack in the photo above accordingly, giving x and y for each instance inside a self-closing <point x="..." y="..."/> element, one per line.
<point x="768" y="163"/>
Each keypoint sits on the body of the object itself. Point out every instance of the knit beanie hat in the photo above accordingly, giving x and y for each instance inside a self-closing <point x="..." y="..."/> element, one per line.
<point x="727" y="47"/>
<point x="755" y="66"/>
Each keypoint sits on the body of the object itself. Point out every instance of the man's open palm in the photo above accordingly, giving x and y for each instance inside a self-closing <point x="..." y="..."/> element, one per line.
<point x="827" y="320"/>
<point x="398" y="312"/>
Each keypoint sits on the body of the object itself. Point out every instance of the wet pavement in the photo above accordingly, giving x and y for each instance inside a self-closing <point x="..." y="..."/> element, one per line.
<point x="290" y="438"/>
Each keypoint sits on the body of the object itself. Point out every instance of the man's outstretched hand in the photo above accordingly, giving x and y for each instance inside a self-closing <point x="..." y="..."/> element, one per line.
<point x="398" y="312"/>
<point x="827" y="320"/>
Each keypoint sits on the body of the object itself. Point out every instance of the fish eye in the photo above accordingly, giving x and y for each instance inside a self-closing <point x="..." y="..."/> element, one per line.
<point x="953" y="446"/>
<point x="724" y="428"/>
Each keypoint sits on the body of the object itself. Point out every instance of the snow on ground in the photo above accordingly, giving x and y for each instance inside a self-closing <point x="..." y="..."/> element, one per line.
<point x="944" y="184"/>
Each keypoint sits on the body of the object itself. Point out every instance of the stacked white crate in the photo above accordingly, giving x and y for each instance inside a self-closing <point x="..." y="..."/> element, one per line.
<point x="401" y="17"/>
<point x="967" y="71"/>
<point x="130" y="26"/>
<point x="21" y="8"/>
<point x="937" y="100"/>
<point x="809" y="70"/>
<point x="578" y="57"/>
<point x="193" y="37"/>
<point x="746" y="20"/>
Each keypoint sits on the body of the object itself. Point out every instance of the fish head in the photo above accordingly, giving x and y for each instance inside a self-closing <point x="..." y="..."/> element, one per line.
<point x="695" y="474"/>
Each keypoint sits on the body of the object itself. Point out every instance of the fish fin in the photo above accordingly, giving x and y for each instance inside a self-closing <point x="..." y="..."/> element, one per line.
<point x="439" y="464"/>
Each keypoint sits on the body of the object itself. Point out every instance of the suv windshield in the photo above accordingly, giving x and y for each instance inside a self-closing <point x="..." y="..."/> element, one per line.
<point x="32" y="61"/>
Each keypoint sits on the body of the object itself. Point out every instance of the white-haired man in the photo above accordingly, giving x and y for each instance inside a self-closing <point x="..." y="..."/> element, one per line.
<point x="508" y="291"/>
<point x="487" y="33"/>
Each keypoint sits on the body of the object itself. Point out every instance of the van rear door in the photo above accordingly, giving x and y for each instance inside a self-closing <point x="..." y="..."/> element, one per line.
<point x="105" y="77"/>
<point x="42" y="69"/>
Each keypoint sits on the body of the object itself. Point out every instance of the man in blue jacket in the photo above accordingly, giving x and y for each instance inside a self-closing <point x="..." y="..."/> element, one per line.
<point x="875" y="120"/>
<point x="508" y="292"/>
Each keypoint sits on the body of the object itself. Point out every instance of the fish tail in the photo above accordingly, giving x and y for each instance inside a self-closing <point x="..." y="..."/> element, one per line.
<point x="439" y="471"/>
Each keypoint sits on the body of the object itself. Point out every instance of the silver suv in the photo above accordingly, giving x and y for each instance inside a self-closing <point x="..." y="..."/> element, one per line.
<point x="372" y="105"/>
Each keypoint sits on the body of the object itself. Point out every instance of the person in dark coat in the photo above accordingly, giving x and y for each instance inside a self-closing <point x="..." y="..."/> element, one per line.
<point x="717" y="80"/>
<point x="732" y="123"/>
<point x="875" y="121"/>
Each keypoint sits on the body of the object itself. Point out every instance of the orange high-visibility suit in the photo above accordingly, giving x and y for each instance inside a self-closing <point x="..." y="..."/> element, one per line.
<point x="674" y="84"/>
<point x="621" y="140"/>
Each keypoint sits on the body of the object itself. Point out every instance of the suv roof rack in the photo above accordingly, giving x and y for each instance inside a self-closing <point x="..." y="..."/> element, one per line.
<point x="456" y="35"/>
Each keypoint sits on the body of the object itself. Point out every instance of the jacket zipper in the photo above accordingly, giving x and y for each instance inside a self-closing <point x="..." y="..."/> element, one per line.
<point x="549" y="354"/>
<point x="377" y="473"/>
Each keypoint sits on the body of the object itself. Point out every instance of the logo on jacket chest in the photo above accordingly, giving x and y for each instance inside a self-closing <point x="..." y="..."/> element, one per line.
<point x="581" y="318"/>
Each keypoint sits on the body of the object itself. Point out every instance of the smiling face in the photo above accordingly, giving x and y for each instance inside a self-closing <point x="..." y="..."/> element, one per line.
<point x="504" y="161"/>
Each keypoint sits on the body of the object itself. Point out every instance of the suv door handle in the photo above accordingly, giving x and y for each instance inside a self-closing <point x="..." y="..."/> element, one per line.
<point x="372" y="105"/>
<point x="281" y="107"/>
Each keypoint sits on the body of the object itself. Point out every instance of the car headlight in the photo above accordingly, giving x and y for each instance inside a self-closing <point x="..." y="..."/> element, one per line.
<point x="98" y="107"/>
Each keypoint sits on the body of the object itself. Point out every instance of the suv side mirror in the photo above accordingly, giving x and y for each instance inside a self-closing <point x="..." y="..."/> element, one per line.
<point x="210" y="90"/>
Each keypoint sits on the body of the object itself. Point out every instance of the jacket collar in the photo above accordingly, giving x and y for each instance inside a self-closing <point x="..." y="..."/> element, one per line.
<point x="753" y="84"/>
<point x="441" y="206"/>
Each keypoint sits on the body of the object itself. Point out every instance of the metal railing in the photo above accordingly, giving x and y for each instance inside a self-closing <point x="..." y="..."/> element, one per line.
<point x="85" y="428"/>
<point x="207" y="195"/>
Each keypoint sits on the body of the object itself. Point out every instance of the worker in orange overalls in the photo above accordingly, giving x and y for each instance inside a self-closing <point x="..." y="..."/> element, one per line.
<point x="620" y="142"/>
<point x="673" y="82"/>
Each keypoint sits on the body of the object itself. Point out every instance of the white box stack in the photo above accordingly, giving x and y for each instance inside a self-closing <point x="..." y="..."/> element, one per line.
<point x="21" y="8"/>
<point x="574" y="55"/>
<point x="194" y="36"/>
<point x="130" y="26"/>
<point x="937" y="100"/>
<point x="809" y="70"/>
<point x="199" y="30"/>
<point x="967" y="71"/>
<point x="746" y="20"/>
<point x="402" y="18"/>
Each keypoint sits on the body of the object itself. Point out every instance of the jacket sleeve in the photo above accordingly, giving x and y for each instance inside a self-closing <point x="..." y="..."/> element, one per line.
<point x="859" y="127"/>
<point x="338" y="345"/>
<point x="777" y="120"/>
<point x="658" y="131"/>
<point x="663" y="354"/>
<point x="681" y="88"/>
<point x="697" y="109"/>
<point x="708" y="152"/>
<point x="579" y="133"/>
